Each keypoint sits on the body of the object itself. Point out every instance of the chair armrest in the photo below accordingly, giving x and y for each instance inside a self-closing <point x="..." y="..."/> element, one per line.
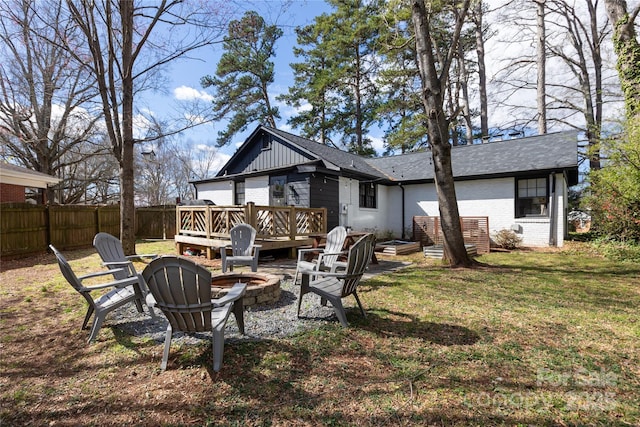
<point x="235" y="293"/>
<point x="108" y="263"/>
<point x="302" y="252"/>
<point x="113" y="284"/>
<point x="138" y="257"/>
<point x="101" y="273"/>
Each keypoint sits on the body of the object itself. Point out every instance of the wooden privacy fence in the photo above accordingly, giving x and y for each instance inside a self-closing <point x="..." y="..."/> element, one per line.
<point x="475" y="230"/>
<point x="27" y="229"/>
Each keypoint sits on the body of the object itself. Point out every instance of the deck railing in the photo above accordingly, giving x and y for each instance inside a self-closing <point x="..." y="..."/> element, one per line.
<point x="270" y="222"/>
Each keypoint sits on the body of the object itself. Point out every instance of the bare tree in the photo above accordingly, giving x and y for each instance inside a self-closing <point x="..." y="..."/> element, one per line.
<point x="541" y="62"/>
<point x="481" y="34"/>
<point x="434" y="80"/>
<point x="128" y="42"/>
<point x="47" y="118"/>
<point x="578" y="44"/>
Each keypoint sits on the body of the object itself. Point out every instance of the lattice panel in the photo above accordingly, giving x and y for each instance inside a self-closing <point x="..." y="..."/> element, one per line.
<point x="309" y="222"/>
<point x="281" y="223"/>
<point x="223" y="221"/>
<point x="193" y="221"/>
<point x="264" y="223"/>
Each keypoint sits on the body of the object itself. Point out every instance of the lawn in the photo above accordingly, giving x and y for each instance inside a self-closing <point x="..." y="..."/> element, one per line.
<point x="533" y="338"/>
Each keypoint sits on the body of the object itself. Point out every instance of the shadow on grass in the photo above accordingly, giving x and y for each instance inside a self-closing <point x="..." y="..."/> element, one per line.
<point x="387" y="323"/>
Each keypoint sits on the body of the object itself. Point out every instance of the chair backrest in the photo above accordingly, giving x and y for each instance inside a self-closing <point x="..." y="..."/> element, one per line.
<point x="66" y="270"/>
<point x="359" y="257"/>
<point x="243" y="236"/>
<point x="182" y="290"/>
<point x="335" y="242"/>
<point x="70" y="276"/>
<point x="110" y="250"/>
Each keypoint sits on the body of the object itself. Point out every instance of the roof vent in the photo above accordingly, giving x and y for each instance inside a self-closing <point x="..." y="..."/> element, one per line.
<point x="352" y="164"/>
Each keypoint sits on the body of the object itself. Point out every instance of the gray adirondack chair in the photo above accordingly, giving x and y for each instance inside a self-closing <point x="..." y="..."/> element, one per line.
<point x="244" y="251"/>
<point x="182" y="291"/>
<point x="327" y="259"/>
<point x="112" y="254"/>
<point x="123" y="291"/>
<point x="336" y="285"/>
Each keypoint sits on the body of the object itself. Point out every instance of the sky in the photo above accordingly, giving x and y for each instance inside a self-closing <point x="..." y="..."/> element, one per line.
<point x="184" y="78"/>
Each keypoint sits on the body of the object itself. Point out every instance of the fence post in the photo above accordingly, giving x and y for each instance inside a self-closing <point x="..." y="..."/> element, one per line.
<point x="48" y="226"/>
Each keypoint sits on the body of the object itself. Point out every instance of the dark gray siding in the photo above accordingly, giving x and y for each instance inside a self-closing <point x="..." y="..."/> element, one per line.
<point x="326" y="195"/>
<point x="298" y="190"/>
<point x="267" y="152"/>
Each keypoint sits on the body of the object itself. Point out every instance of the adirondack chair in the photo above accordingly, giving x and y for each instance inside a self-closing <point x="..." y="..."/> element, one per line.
<point x="124" y="291"/>
<point x="244" y="251"/>
<point x="327" y="259"/>
<point x="333" y="286"/>
<point x="182" y="291"/>
<point x="112" y="254"/>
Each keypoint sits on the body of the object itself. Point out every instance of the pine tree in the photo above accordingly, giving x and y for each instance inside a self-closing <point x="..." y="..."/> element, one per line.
<point x="243" y="76"/>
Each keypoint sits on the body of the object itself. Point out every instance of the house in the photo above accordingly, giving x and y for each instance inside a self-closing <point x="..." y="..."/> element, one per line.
<point x="519" y="184"/>
<point x="16" y="183"/>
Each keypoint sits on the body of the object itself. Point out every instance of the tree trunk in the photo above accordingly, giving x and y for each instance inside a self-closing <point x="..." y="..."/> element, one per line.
<point x="482" y="72"/>
<point x="127" y="205"/>
<point x="541" y="61"/>
<point x="626" y="46"/>
<point x="433" y="86"/>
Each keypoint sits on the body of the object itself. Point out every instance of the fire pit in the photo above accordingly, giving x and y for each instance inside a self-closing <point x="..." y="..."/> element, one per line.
<point x="262" y="289"/>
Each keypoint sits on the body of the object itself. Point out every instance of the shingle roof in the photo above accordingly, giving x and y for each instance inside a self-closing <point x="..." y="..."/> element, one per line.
<point x="553" y="151"/>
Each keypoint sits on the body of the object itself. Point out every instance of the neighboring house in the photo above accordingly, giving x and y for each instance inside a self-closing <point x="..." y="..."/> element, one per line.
<point x="18" y="184"/>
<point x="519" y="184"/>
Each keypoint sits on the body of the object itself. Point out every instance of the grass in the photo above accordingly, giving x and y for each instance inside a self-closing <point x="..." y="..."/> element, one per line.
<point x="535" y="338"/>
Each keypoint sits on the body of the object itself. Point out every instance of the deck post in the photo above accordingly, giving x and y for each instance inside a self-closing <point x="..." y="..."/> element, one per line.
<point x="293" y="223"/>
<point x="250" y="214"/>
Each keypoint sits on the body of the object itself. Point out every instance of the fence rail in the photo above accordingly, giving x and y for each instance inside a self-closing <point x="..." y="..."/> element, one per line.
<point x="475" y="230"/>
<point x="26" y="229"/>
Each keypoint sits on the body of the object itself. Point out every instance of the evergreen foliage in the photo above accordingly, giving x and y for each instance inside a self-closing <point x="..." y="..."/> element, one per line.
<point x="243" y="75"/>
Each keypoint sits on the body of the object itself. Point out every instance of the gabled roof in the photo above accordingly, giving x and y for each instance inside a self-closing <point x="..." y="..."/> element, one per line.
<point x="549" y="152"/>
<point x="16" y="175"/>
<point x="347" y="162"/>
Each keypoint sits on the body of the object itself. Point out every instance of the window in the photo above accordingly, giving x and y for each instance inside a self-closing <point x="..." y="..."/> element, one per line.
<point x="239" y="194"/>
<point x="266" y="142"/>
<point x="532" y="197"/>
<point x="368" y="195"/>
<point x="277" y="185"/>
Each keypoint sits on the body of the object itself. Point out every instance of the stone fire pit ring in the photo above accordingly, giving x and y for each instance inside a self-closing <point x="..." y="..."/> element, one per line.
<point x="262" y="289"/>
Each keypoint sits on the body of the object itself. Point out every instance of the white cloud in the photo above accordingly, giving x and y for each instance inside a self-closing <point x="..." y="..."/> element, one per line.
<point x="377" y="144"/>
<point x="186" y="93"/>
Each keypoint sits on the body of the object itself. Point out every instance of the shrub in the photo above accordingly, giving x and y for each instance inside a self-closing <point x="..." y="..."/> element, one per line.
<point x="507" y="239"/>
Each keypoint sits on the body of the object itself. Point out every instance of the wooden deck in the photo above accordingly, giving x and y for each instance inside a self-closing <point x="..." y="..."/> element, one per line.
<point x="277" y="227"/>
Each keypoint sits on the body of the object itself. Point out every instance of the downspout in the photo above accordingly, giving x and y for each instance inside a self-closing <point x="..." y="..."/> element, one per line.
<point x="402" y="188"/>
<point x="553" y="215"/>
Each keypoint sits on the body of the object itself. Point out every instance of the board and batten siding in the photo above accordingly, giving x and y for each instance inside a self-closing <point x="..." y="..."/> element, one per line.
<point x="326" y="195"/>
<point x="275" y="154"/>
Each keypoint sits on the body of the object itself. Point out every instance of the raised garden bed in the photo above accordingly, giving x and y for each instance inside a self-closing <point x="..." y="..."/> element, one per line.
<point x="397" y="247"/>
